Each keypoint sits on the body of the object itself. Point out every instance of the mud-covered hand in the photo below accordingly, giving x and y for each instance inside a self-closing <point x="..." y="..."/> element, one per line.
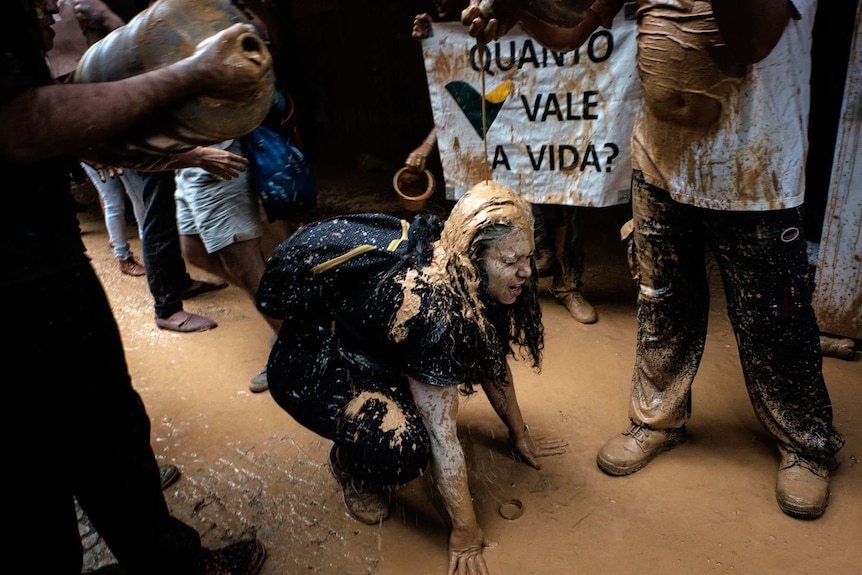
<point x="467" y="561"/>
<point x="422" y="26"/>
<point x="530" y="449"/>
<point x="417" y="158"/>
<point x="96" y="15"/>
<point x="232" y="62"/>
<point x="465" y="552"/>
<point x="484" y="24"/>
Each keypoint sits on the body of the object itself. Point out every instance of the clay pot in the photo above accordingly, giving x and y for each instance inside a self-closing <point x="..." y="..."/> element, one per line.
<point x="413" y="187"/>
<point x="169" y="31"/>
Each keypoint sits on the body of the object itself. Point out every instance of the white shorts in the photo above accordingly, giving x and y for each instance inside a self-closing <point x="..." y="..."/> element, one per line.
<point x="221" y="212"/>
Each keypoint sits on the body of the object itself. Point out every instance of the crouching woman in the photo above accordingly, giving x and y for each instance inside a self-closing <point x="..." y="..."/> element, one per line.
<point x="386" y="324"/>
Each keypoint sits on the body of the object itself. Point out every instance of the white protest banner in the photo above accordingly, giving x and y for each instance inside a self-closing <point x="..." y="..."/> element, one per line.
<point x="558" y="125"/>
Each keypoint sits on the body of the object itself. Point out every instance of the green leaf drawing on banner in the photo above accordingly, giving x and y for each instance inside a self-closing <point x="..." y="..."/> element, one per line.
<point x="470" y="101"/>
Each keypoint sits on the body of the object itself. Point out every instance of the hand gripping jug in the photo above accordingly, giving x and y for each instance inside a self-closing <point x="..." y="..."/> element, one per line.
<point x="164" y="33"/>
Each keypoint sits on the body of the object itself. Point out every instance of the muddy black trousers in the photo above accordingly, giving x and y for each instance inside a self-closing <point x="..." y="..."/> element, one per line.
<point x="71" y="423"/>
<point x="318" y="375"/>
<point x="768" y="285"/>
<point x="167" y="276"/>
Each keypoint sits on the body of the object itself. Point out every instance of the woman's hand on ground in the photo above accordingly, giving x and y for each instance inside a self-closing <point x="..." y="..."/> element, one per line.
<point x="467" y="561"/>
<point x="529" y="449"/>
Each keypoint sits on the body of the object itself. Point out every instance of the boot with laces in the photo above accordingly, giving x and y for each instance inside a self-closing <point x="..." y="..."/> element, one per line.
<point x="631" y="451"/>
<point x="364" y="502"/>
<point x="579" y="308"/>
<point x="132" y="267"/>
<point x="802" y="486"/>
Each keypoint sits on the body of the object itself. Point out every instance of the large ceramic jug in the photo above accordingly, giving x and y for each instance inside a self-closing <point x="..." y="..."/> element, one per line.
<point x="168" y="31"/>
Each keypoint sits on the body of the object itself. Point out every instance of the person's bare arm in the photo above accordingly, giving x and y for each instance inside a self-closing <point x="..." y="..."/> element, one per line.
<point x="750" y="28"/>
<point x="221" y="163"/>
<point x="43" y="122"/>
<point x="560" y="39"/>
<point x="501" y="396"/>
<point x="438" y="407"/>
<point x="486" y="26"/>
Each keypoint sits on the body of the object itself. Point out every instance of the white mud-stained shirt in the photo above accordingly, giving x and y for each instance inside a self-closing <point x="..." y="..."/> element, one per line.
<point x="713" y="140"/>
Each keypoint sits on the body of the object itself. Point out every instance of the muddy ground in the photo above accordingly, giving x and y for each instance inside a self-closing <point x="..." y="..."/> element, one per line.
<point x="706" y="507"/>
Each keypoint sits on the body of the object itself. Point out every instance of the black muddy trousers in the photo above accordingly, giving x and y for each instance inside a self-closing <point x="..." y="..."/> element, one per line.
<point x="72" y="423"/>
<point x="561" y="228"/>
<point x="768" y="286"/>
<point x="318" y="374"/>
<point x="167" y="276"/>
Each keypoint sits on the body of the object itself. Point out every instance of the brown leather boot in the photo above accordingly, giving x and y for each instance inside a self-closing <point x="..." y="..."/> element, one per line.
<point x="802" y="486"/>
<point x="631" y="451"/>
<point x="132" y="267"/>
<point x="580" y="309"/>
<point x="364" y="502"/>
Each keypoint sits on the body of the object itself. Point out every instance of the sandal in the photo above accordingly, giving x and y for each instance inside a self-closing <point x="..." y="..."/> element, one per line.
<point x="185" y="322"/>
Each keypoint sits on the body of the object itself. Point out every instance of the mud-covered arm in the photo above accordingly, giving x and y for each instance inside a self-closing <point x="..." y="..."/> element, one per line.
<point x="751" y="28"/>
<point x="560" y="39"/>
<point x="486" y="26"/>
<point x="438" y="407"/>
<point x="501" y="396"/>
<point x="417" y="158"/>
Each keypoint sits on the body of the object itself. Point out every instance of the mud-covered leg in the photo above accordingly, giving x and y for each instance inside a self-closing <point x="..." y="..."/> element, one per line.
<point x="768" y="287"/>
<point x="673" y="303"/>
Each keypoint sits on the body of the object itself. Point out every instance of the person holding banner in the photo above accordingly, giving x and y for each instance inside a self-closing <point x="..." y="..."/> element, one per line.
<point x="559" y="229"/>
<point x="386" y="325"/>
<point x="719" y="150"/>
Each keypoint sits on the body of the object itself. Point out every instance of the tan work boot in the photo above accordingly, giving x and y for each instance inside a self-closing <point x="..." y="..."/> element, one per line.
<point x="580" y="309"/>
<point x="802" y="486"/>
<point x="363" y="502"/>
<point x="631" y="451"/>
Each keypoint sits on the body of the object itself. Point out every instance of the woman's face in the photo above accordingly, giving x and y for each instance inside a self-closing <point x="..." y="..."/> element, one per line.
<point x="507" y="264"/>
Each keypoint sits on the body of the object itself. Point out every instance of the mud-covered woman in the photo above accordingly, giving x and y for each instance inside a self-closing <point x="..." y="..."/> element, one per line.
<point x="386" y="325"/>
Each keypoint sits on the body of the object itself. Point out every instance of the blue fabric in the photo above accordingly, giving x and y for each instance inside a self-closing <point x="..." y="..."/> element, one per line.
<point x="279" y="173"/>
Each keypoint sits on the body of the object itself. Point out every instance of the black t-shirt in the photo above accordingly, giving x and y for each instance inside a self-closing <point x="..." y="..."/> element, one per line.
<point x="39" y="231"/>
<point x="354" y="271"/>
